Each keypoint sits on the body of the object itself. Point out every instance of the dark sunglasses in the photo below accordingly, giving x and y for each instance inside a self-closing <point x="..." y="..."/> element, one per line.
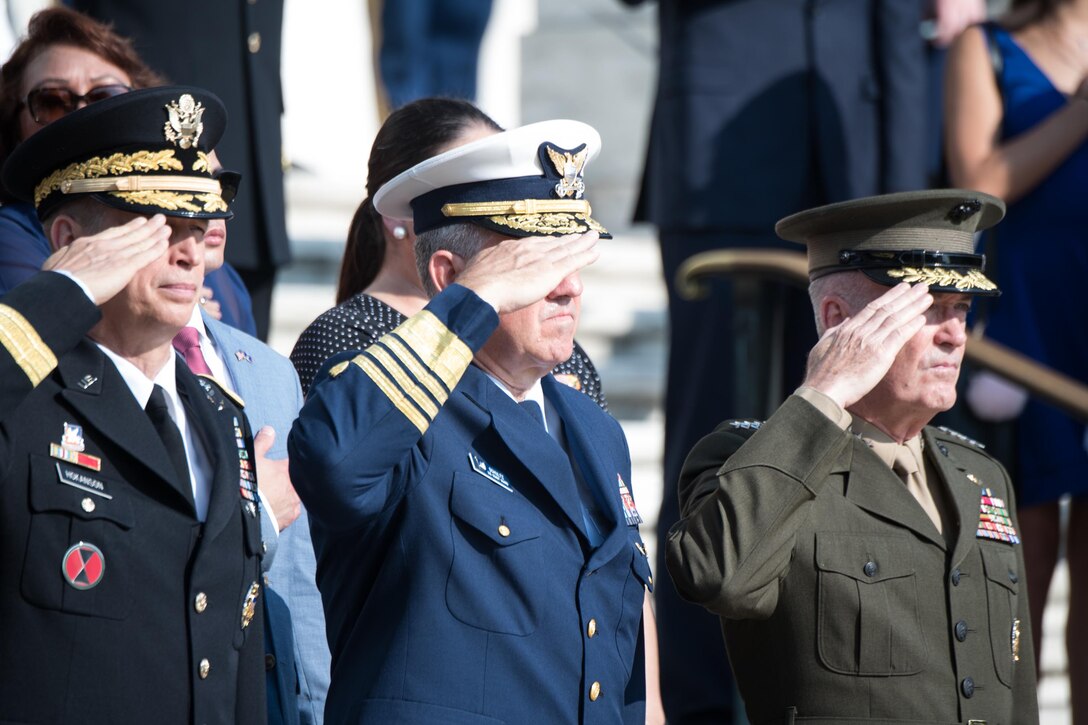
<point x="50" y="103"/>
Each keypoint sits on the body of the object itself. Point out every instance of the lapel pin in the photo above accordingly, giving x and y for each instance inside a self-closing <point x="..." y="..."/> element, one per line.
<point x="243" y="356"/>
<point x="87" y="381"/>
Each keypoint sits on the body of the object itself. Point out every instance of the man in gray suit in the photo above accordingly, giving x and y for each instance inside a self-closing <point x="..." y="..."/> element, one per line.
<point x="269" y="386"/>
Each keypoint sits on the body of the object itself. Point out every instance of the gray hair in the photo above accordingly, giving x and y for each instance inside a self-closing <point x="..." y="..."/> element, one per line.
<point x="464" y="239"/>
<point x="852" y="287"/>
<point x="91" y="215"/>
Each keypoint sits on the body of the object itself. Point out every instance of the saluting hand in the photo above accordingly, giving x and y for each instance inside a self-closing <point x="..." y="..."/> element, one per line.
<point x="852" y="357"/>
<point x="105" y="262"/>
<point x="518" y="272"/>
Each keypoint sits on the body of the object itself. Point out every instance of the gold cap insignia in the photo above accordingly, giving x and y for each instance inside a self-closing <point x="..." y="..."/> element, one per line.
<point x="183" y="128"/>
<point x="569" y="167"/>
<point x="249" y="606"/>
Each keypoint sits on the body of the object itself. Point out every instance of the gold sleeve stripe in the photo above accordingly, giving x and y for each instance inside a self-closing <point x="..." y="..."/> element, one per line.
<point x="425" y="377"/>
<point x="396" y="397"/>
<point x="387" y="363"/>
<point x="24" y="344"/>
<point x="441" y="351"/>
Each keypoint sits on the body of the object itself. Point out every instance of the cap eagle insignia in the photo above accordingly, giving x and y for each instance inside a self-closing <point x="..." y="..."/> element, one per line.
<point x="569" y="166"/>
<point x="184" y="127"/>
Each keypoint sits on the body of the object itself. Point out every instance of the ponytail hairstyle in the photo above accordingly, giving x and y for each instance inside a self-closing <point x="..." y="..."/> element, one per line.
<point x="412" y="134"/>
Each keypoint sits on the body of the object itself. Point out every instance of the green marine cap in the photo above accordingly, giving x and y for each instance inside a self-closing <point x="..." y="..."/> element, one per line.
<point x="914" y="236"/>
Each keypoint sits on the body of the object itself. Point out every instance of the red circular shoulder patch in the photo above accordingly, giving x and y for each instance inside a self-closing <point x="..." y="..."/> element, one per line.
<point x="83" y="565"/>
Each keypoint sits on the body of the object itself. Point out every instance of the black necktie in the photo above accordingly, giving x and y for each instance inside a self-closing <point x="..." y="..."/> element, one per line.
<point x="532" y="408"/>
<point x="168" y="431"/>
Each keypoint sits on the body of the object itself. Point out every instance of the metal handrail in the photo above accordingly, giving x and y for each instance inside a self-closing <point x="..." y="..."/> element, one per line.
<point x="1056" y="388"/>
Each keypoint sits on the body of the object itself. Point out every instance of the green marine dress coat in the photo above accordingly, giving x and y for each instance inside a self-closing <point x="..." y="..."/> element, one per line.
<point x="839" y="600"/>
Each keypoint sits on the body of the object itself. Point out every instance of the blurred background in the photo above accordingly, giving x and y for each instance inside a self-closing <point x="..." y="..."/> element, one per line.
<point x="591" y="60"/>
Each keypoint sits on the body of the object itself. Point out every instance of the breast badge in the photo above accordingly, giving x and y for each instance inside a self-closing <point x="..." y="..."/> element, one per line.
<point x="83" y="566"/>
<point x="71" y="447"/>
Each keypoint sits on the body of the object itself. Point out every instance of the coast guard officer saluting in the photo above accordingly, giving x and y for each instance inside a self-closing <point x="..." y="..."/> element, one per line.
<point x="129" y="528"/>
<point x="477" y="540"/>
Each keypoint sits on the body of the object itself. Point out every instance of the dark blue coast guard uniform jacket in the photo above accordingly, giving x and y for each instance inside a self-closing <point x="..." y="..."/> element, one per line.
<point x="458" y="580"/>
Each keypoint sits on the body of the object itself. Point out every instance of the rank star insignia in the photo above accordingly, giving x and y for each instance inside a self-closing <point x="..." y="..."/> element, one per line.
<point x="249" y="606"/>
<point x="83" y="566"/>
<point x="183" y="127"/>
<point x="569" y="165"/>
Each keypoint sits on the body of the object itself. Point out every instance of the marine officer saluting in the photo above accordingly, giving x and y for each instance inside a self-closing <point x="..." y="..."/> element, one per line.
<point x="477" y="541"/>
<point x="867" y="567"/>
<point x="129" y="529"/>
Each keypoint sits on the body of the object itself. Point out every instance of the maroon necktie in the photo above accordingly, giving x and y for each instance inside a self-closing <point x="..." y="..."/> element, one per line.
<point x="187" y="342"/>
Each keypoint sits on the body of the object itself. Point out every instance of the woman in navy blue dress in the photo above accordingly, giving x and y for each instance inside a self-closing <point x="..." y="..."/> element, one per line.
<point x="1017" y="123"/>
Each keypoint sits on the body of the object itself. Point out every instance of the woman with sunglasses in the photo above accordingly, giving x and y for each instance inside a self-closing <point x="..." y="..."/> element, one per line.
<point x="379" y="284"/>
<point x="65" y="62"/>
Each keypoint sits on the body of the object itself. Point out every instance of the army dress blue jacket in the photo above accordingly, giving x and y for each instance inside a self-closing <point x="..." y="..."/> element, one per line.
<point x="117" y="604"/>
<point x="458" y="580"/>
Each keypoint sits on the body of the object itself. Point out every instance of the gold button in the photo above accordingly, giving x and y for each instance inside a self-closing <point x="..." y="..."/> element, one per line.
<point x="200" y="603"/>
<point x="254" y="42"/>
<point x="504" y="530"/>
<point x="591" y="628"/>
<point x="88" y="504"/>
<point x="650" y="579"/>
<point x="206" y="667"/>
<point x="594" y="691"/>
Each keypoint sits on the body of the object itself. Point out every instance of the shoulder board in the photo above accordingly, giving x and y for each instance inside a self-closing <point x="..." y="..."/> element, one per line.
<point x="960" y="437"/>
<point x="211" y="386"/>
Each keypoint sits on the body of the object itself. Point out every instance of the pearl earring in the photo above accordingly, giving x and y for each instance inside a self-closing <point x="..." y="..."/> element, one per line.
<point x="400" y="232"/>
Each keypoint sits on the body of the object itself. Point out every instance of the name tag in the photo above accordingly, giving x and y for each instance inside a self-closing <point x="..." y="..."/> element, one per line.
<point x="71" y="476"/>
<point x="485" y="469"/>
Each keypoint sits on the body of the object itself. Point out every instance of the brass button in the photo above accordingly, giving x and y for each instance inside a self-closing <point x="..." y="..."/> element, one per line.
<point x="504" y="530"/>
<point x="594" y="691"/>
<point x="200" y="603"/>
<point x="205" y="668"/>
<point x="650" y="579"/>
<point x="87" y="504"/>
<point x="254" y="42"/>
<point x="591" y="628"/>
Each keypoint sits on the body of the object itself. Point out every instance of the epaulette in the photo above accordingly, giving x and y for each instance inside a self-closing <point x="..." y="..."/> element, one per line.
<point x="746" y="424"/>
<point x="213" y="388"/>
<point x="961" y="437"/>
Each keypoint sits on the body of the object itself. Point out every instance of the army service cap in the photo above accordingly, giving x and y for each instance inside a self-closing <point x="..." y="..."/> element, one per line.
<point x="524" y="182"/>
<point x="914" y="236"/>
<point x="144" y="152"/>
